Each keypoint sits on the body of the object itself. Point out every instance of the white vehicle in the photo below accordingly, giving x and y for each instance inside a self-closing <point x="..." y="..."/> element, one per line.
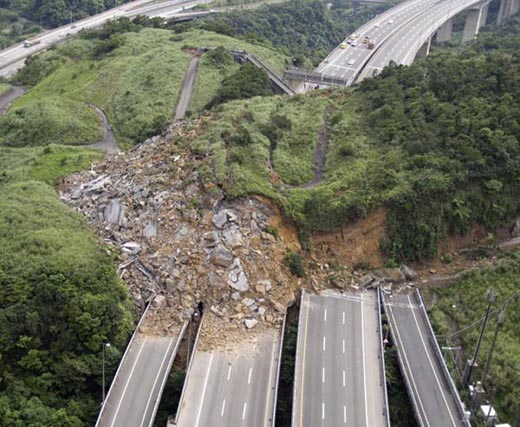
<point x="351" y="62"/>
<point x="354" y="43"/>
<point x="376" y="25"/>
<point x="391" y="21"/>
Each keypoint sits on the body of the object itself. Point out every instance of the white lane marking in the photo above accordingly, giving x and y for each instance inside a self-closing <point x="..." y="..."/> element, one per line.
<point x="324" y="343"/>
<point x="364" y="364"/>
<point x="344" y="414"/>
<point x="249" y="375"/>
<point x="155" y="383"/>
<point x="343" y="317"/>
<point x="244" y="411"/>
<point x="204" y="390"/>
<point x="322" y="410"/>
<point x="343" y="346"/>
<point x="223" y="408"/>
<point x="128" y="382"/>
<point x="344" y="382"/>
<point x="400" y="346"/>
<point x="322" y="375"/>
<point x="325" y="315"/>
<point x="229" y="373"/>
<point x="431" y="364"/>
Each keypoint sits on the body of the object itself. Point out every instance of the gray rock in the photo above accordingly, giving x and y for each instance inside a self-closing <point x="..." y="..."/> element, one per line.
<point x="114" y="213"/>
<point x="408" y="273"/>
<point x="266" y="284"/>
<point x="515" y="229"/>
<point x="250" y="323"/>
<point x="150" y="231"/>
<point x="182" y="232"/>
<point x="248" y="301"/>
<point x="241" y="284"/>
<point x="261" y="310"/>
<point x="235" y="296"/>
<point x="222" y="257"/>
<point x="220" y="219"/>
<point x="211" y="239"/>
<point x="131" y="248"/>
<point x="233" y="237"/>
<point x="366" y="280"/>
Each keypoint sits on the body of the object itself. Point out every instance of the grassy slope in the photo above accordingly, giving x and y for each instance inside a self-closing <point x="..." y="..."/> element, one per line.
<point x="4" y="88"/>
<point x="137" y="84"/>
<point x="464" y="303"/>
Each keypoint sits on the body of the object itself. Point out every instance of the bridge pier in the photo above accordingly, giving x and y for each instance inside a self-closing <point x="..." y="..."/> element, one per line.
<point x="507" y="9"/>
<point x="445" y="31"/>
<point x="475" y="20"/>
<point x="425" y="49"/>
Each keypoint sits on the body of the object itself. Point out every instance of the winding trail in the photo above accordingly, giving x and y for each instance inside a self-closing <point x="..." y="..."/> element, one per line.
<point x="187" y="88"/>
<point x="108" y="142"/>
<point x="7" y="98"/>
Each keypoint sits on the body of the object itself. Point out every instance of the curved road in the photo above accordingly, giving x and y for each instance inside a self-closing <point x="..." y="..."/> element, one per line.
<point x="108" y="142"/>
<point x="7" y="98"/>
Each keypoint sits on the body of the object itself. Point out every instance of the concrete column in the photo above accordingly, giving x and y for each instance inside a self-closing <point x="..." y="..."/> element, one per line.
<point x="483" y="17"/>
<point x="505" y="11"/>
<point x="516" y="7"/>
<point x="445" y="31"/>
<point x="425" y="49"/>
<point x="473" y="22"/>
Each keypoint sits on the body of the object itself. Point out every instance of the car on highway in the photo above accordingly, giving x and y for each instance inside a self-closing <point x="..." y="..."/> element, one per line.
<point x="343" y="45"/>
<point x="391" y="21"/>
<point x="351" y="61"/>
<point x="354" y="43"/>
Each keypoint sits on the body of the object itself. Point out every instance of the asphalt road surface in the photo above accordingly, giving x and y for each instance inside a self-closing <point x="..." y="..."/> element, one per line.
<point x="347" y="63"/>
<point x="7" y="98"/>
<point x="231" y="389"/>
<point x="430" y="393"/>
<point x="136" y="391"/>
<point x="108" y="143"/>
<point x="338" y="374"/>
<point x="187" y="88"/>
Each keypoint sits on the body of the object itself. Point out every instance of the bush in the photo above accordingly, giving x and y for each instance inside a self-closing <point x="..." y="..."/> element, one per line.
<point x="295" y="264"/>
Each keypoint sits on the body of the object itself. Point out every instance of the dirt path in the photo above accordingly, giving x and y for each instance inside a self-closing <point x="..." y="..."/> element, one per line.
<point x="108" y="143"/>
<point x="187" y="88"/>
<point x="7" y="98"/>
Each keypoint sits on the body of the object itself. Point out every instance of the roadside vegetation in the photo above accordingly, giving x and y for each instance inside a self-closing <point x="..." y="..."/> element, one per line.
<point x="60" y="296"/>
<point x="4" y="88"/>
<point x="460" y="305"/>
<point x="130" y="70"/>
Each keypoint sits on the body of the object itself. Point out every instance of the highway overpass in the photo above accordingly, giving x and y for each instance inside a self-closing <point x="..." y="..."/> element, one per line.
<point x="233" y="383"/>
<point x="136" y="389"/>
<point x="434" y="398"/>
<point x="339" y="370"/>
<point x="12" y="58"/>
<point x="399" y="35"/>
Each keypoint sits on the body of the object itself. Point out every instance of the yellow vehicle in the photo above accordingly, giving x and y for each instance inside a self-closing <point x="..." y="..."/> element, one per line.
<point x="343" y="45"/>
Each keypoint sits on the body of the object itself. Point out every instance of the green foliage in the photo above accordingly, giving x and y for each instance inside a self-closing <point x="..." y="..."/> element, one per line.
<point x="60" y="299"/>
<point x="464" y="303"/>
<point x="137" y="84"/>
<point x="4" y="88"/>
<point x="219" y="57"/>
<point x="295" y="263"/>
<point x="247" y="82"/>
<point x="302" y="29"/>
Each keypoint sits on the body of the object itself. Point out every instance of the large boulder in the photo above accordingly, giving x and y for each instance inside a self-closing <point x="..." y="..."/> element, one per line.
<point x="221" y="256"/>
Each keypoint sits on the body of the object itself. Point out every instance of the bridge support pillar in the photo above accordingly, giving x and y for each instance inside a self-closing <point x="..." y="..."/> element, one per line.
<point x="445" y="31"/>
<point x="425" y="49"/>
<point x="475" y="19"/>
<point x="507" y="8"/>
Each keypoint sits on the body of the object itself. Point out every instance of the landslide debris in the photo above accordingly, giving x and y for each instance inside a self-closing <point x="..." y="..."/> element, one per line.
<point x="180" y="242"/>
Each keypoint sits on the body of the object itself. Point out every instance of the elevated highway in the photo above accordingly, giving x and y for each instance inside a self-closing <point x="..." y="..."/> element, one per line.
<point x="136" y="389"/>
<point x="435" y="399"/>
<point x="232" y="384"/>
<point x="339" y="370"/>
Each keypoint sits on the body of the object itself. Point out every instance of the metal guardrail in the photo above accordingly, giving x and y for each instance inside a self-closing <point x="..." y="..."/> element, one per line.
<point x="194" y="351"/>
<point x="298" y="349"/>
<point x="382" y="356"/>
<point x="145" y="312"/>
<point x="279" y="81"/>
<point x="402" y="368"/>
<point x="451" y="385"/>
<point x="277" y="380"/>
<point x="314" y="77"/>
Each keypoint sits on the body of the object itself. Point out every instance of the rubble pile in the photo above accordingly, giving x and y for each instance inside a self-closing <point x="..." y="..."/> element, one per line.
<point x="181" y="245"/>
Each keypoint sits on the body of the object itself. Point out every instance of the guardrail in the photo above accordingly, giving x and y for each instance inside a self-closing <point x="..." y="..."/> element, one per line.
<point x="195" y="345"/>
<point x="402" y="368"/>
<point x="386" y="408"/>
<point x="296" y="365"/>
<point x="145" y="312"/>
<point x="451" y="385"/>
<point x="277" y="379"/>
<point x="255" y="60"/>
<point x="314" y="77"/>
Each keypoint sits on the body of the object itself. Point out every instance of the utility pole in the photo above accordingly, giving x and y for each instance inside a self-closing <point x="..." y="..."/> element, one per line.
<point x="466" y="379"/>
<point x="500" y="322"/>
